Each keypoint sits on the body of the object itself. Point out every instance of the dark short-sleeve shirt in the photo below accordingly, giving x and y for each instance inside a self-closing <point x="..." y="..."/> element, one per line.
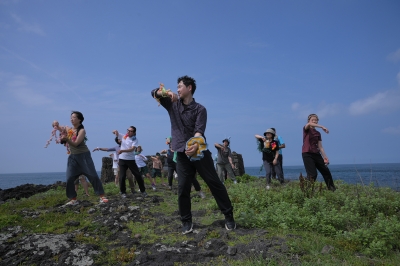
<point x="268" y="154"/>
<point x="223" y="155"/>
<point x="310" y="140"/>
<point x="186" y="120"/>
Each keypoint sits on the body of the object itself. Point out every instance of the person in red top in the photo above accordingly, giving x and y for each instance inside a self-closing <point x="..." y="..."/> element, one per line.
<point x="313" y="153"/>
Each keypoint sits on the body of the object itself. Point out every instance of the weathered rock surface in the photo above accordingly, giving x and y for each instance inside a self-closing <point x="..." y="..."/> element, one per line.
<point x="19" y="247"/>
<point x="27" y="190"/>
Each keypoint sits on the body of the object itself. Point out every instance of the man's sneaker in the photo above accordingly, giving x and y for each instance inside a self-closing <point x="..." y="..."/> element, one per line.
<point x="72" y="202"/>
<point x="103" y="199"/>
<point x="187" y="227"/>
<point x="153" y="186"/>
<point x="230" y="222"/>
<point x="267" y="187"/>
<point x="123" y="195"/>
<point x="202" y="195"/>
<point x="144" y="194"/>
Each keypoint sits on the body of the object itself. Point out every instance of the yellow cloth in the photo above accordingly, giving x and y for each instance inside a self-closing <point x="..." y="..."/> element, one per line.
<point x="202" y="146"/>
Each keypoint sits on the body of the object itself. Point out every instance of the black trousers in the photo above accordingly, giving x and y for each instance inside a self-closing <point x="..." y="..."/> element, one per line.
<point x="172" y="168"/>
<point x="314" y="161"/>
<point x="186" y="175"/>
<point x="123" y="166"/>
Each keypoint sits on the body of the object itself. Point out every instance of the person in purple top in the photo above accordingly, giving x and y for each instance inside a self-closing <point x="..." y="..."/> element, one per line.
<point x="188" y="119"/>
<point x="313" y="153"/>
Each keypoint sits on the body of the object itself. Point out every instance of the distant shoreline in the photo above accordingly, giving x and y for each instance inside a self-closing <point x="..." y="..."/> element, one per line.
<point x="257" y="166"/>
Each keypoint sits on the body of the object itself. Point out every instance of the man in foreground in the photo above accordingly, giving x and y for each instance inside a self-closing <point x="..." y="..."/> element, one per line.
<point x="188" y="124"/>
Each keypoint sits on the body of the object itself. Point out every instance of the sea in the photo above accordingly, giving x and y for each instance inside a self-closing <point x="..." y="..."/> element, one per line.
<point x="381" y="175"/>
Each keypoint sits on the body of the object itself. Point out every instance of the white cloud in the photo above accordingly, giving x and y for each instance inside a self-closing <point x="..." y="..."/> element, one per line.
<point x="30" y="97"/>
<point x="384" y="102"/>
<point x="322" y="110"/>
<point x="20" y="88"/>
<point x="23" y="26"/>
<point x="392" y="130"/>
<point x="395" y="56"/>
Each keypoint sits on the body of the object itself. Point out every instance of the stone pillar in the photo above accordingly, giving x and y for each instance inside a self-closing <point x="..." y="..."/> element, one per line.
<point x="237" y="160"/>
<point x="107" y="173"/>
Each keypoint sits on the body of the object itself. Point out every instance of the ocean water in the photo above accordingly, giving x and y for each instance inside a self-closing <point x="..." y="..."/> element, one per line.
<point x="381" y="175"/>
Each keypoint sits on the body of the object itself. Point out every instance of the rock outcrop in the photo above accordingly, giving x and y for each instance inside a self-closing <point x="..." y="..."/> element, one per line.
<point x="21" y="247"/>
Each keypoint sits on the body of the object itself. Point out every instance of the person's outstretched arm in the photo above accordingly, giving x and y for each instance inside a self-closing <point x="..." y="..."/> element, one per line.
<point x="260" y="137"/>
<point x="308" y="125"/>
<point x="218" y="146"/>
<point x="104" y="149"/>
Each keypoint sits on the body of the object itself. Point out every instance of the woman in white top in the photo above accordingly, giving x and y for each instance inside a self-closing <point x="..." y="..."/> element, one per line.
<point x="126" y="153"/>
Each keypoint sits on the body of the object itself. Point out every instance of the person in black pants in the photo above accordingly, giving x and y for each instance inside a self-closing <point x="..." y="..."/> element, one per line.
<point x="313" y="153"/>
<point x="188" y="121"/>
<point x="172" y="168"/>
<point x="129" y="144"/>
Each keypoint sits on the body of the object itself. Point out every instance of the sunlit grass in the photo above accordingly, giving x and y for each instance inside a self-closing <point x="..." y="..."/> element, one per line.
<point x="360" y="223"/>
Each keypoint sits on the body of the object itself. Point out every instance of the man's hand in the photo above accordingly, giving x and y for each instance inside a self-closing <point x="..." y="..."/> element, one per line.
<point x="173" y="96"/>
<point x="192" y="150"/>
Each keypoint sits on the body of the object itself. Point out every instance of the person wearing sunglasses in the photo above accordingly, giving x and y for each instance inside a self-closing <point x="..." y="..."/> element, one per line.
<point x="129" y="144"/>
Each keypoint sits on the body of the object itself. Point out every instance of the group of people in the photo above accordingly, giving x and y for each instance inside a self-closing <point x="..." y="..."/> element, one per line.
<point x="188" y="124"/>
<point x="313" y="153"/>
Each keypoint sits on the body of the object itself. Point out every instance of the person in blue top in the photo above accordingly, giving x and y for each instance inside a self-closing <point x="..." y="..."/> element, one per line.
<point x="282" y="145"/>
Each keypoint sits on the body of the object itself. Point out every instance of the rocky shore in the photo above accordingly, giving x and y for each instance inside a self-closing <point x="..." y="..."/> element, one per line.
<point x="20" y="247"/>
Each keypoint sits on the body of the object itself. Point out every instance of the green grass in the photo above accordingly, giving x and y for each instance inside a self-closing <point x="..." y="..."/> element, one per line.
<point x="362" y="224"/>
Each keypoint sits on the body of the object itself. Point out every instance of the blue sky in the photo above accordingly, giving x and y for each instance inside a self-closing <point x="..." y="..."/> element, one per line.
<point x="258" y="64"/>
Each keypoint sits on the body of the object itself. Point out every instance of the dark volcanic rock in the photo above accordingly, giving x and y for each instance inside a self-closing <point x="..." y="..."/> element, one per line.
<point x="26" y="191"/>
<point x="208" y="244"/>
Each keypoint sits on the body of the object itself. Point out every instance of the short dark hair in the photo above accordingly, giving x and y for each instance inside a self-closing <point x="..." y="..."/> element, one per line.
<point x="188" y="81"/>
<point x="134" y="129"/>
<point x="227" y="140"/>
